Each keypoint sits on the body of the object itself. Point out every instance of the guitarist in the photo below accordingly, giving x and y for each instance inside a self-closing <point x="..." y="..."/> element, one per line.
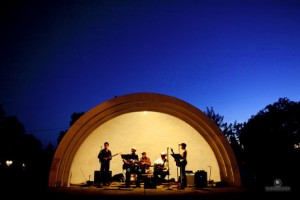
<point x="182" y="165"/>
<point x="144" y="163"/>
<point x="131" y="167"/>
<point x="161" y="168"/>
<point x="181" y="162"/>
<point x="104" y="157"/>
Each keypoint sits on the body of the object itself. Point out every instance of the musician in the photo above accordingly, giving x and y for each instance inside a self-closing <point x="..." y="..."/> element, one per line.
<point x="132" y="167"/>
<point x="144" y="163"/>
<point x="104" y="157"/>
<point x="161" y="168"/>
<point x="182" y="165"/>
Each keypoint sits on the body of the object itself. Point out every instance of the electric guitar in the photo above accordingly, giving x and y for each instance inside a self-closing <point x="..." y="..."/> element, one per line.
<point x="109" y="157"/>
<point x="177" y="158"/>
<point x="114" y="155"/>
<point x="130" y="164"/>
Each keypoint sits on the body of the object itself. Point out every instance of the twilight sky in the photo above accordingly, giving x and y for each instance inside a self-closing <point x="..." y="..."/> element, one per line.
<point x="70" y="56"/>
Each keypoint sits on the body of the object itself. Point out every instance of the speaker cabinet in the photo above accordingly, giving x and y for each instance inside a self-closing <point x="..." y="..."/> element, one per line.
<point x="97" y="177"/>
<point x="190" y="179"/>
<point x="201" y="179"/>
<point x="149" y="183"/>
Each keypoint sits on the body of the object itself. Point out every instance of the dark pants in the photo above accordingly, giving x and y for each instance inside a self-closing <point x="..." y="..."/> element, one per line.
<point x="159" y="176"/>
<point x="133" y="170"/>
<point x="183" y="176"/>
<point x="104" y="173"/>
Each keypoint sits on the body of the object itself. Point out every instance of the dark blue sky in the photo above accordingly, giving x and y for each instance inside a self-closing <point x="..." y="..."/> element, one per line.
<point x="69" y="56"/>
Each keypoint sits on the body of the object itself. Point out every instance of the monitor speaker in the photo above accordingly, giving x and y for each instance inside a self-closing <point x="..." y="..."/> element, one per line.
<point x="96" y="177"/>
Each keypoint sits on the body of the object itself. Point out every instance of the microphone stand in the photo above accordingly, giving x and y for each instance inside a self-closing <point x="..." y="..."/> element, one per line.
<point x="209" y="174"/>
<point x="179" y="186"/>
<point x="168" y="169"/>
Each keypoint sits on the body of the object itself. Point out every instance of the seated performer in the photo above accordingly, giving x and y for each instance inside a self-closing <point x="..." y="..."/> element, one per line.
<point x="161" y="168"/>
<point x="132" y="167"/>
<point x="144" y="163"/>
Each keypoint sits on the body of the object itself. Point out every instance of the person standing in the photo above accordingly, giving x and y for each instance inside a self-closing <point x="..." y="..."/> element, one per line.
<point x="104" y="157"/>
<point x="182" y="165"/>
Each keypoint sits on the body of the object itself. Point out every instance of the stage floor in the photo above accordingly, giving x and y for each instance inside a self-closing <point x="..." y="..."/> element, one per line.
<point x="117" y="191"/>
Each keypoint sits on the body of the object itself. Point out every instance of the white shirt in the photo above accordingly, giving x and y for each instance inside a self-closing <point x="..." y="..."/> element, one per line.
<point x="160" y="161"/>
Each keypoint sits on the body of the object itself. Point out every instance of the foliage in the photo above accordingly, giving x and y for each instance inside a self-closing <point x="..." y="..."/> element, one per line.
<point x="231" y="131"/>
<point x="74" y="117"/>
<point x="269" y="140"/>
<point x="24" y="151"/>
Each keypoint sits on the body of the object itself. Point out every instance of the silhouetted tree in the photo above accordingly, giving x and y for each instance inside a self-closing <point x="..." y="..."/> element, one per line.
<point x="46" y="161"/>
<point x="231" y="131"/>
<point x="218" y="119"/>
<point x="24" y="150"/>
<point x="15" y="144"/>
<point x="74" y="117"/>
<point x="270" y="139"/>
<point x="61" y="135"/>
<point x="2" y="113"/>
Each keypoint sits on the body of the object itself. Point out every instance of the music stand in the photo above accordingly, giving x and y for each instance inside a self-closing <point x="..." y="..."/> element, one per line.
<point x="129" y="156"/>
<point x="177" y="158"/>
<point x="168" y="169"/>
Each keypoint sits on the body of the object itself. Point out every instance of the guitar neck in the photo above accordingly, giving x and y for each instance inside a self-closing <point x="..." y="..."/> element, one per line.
<point x="172" y="151"/>
<point x="114" y="155"/>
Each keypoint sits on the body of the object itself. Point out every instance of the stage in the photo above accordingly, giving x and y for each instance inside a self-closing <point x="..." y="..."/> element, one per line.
<point x="116" y="190"/>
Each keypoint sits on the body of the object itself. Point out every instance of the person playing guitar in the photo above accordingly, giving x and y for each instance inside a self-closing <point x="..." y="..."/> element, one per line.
<point x="181" y="162"/>
<point x="104" y="157"/>
<point x="144" y="163"/>
<point x="161" y="168"/>
<point x="132" y="166"/>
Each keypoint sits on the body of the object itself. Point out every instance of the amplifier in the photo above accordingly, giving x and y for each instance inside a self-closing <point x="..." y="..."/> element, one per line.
<point x="190" y="179"/>
<point x="201" y="179"/>
<point x="149" y="183"/>
<point x="97" y="177"/>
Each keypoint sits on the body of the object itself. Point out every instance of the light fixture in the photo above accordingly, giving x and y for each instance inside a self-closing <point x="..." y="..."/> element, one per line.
<point x="9" y="162"/>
